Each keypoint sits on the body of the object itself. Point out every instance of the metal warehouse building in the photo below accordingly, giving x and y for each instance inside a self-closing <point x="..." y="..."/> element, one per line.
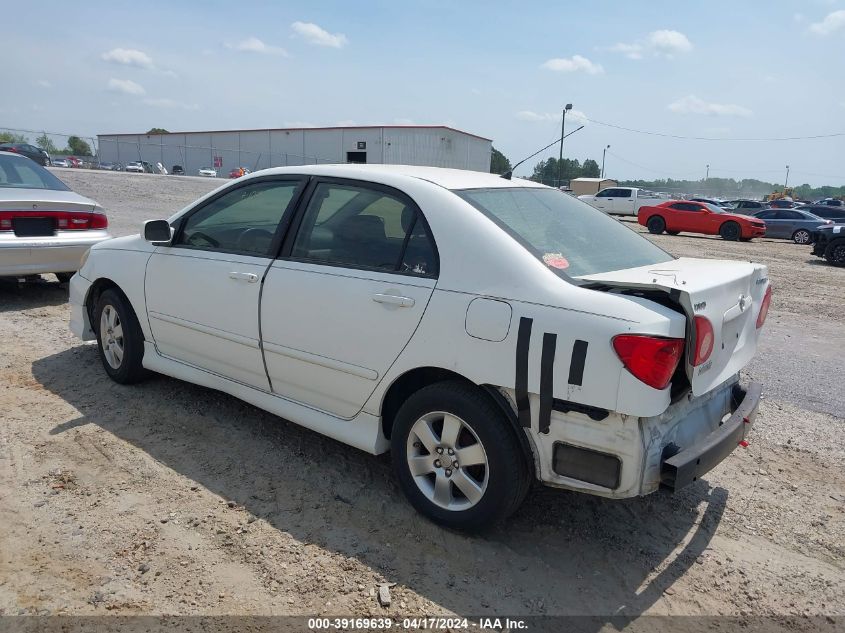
<point x="436" y="145"/>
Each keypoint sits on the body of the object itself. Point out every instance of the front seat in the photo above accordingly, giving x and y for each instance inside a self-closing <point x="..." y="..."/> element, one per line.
<point x="362" y="240"/>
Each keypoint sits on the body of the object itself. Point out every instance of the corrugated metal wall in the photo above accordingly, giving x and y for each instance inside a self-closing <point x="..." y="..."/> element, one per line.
<point x="260" y="149"/>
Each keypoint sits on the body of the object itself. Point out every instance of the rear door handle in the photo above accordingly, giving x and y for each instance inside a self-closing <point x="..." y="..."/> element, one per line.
<point x="247" y="277"/>
<point x="394" y="300"/>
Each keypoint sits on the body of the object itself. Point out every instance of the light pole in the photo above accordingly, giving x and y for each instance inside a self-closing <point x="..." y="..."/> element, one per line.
<point x="560" y="156"/>
<point x="786" y="180"/>
<point x="604" y="151"/>
<point x="707" y="176"/>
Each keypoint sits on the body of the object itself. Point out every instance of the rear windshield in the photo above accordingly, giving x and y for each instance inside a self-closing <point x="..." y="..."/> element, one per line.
<point x="569" y="236"/>
<point x="21" y="173"/>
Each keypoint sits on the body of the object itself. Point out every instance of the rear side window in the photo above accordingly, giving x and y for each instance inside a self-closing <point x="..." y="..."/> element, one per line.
<point x="362" y="227"/>
<point x="23" y="173"/>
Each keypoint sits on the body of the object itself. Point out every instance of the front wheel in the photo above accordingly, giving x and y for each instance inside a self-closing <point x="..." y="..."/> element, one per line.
<point x="656" y="225"/>
<point x="457" y="458"/>
<point x="730" y="231"/>
<point x="120" y="340"/>
<point x="801" y="236"/>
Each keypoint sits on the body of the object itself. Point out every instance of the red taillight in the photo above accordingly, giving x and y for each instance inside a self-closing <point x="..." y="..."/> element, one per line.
<point x="651" y="359"/>
<point x="64" y="220"/>
<point x="764" y="308"/>
<point x="704" y="340"/>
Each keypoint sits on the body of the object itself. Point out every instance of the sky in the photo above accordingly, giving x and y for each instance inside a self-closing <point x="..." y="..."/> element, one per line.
<point x="502" y="70"/>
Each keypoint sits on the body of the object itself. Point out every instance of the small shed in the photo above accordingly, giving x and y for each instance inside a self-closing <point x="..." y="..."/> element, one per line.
<point x="585" y="186"/>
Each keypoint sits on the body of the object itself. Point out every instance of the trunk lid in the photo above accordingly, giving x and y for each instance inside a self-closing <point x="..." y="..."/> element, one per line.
<point x="728" y="293"/>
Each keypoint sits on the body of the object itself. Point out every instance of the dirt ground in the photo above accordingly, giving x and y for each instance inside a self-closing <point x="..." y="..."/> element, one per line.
<point x="167" y="498"/>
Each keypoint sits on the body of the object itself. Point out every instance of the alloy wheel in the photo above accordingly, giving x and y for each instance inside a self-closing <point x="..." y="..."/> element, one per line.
<point x="111" y="336"/>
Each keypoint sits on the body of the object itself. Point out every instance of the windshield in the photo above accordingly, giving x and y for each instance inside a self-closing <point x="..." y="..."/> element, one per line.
<point x="23" y="173"/>
<point x="569" y="236"/>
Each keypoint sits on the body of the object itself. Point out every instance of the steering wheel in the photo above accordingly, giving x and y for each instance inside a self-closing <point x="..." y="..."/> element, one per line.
<point x="203" y="237"/>
<point x="254" y="240"/>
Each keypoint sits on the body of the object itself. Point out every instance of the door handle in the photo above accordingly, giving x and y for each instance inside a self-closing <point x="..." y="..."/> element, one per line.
<point x="247" y="277"/>
<point x="394" y="300"/>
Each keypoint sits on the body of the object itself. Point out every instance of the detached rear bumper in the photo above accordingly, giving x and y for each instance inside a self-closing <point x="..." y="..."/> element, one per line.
<point x="686" y="466"/>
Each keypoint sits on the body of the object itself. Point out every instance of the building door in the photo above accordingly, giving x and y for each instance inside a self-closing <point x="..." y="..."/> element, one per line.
<point x="356" y="157"/>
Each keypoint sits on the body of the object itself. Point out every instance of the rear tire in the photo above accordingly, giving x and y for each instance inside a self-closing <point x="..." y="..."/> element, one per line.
<point x="656" y="225"/>
<point x="453" y="422"/>
<point x="802" y="236"/>
<point x="120" y="340"/>
<point x="730" y="231"/>
<point x="835" y="253"/>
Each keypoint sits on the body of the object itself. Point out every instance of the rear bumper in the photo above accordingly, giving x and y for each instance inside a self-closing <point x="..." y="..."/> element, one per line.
<point x="46" y="254"/>
<point x="686" y="466"/>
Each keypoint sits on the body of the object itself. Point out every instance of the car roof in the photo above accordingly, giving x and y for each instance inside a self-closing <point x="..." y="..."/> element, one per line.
<point x="442" y="176"/>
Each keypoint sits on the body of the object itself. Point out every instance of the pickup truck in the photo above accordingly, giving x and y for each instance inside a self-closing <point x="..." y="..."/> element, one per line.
<point x="622" y="200"/>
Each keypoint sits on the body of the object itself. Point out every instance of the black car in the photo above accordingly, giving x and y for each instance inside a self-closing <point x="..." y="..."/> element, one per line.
<point x="30" y="151"/>
<point x="748" y="207"/>
<point x="178" y="170"/>
<point x="829" y="242"/>
<point x="837" y="214"/>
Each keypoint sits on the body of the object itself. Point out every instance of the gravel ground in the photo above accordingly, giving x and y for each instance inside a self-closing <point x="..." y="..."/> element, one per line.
<point x="167" y="498"/>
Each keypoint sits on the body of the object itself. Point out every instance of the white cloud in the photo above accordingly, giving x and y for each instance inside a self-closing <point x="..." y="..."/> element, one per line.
<point x="693" y="105"/>
<point x="170" y="103"/>
<point x="128" y="57"/>
<point x="831" y="23"/>
<point x="126" y="86"/>
<point x="573" y="64"/>
<point x="315" y="34"/>
<point x="575" y="116"/>
<point x="44" y="83"/>
<point x="255" y="45"/>
<point x="661" y="43"/>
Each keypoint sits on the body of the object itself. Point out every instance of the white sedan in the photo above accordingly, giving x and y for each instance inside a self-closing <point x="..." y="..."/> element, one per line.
<point x="208" y="172"/>
<point x="488" y="332"/>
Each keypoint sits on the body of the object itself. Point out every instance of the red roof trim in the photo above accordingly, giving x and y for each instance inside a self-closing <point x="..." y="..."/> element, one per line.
<point x="298" y="129"/>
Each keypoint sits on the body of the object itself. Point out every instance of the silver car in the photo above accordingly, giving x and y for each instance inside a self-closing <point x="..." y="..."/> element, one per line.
<point x="791" y="224"/>
<point x="44" y="226"/>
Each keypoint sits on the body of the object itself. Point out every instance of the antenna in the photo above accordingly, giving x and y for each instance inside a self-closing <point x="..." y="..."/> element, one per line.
<point x="507" y="175"/>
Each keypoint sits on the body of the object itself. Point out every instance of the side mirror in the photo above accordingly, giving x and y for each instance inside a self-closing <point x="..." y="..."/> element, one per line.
<point x="157" y="232"/>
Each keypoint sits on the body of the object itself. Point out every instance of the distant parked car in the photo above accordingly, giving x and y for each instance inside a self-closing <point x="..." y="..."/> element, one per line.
<point x="237" y="172"/>
<point x="30" y="151"/>
<point x="782" y="204"/>
<point x="73" y="161"/>
<point x="699" y="217"/>
<point x="791" y="224"/>
<point x="208" y="172"/>
<point x="621" y="200"/>
<point x="832" y="202"/>
<point x="829" y="242"/>
<point x="134" y="167"/>
<point x="748" y="207"/>
<point x="59" y="162"/>
<point x="44" y="226"/>
<point x="178" y="170"/>
<point x="837" y="214"/>
<point x="106" y="166"/>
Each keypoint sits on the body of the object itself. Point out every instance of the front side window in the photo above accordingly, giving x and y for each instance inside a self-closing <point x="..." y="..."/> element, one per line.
<point x="362" y="227"/>
<point x="570" y="237"/>
<point x="243" y="220"/>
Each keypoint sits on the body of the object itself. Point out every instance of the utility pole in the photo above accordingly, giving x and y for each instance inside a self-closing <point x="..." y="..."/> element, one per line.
<point x="604" y="151"/>
<point x="560" y="156"/>
<point x="786" y="180"/>
<point x="707" y="177"/>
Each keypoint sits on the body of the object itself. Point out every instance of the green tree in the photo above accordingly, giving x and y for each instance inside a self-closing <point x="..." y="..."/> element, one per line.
<point x="590" y="169"/>
<point x="46" y="144"/>
<point x="9" y="137"/>
<point x="78" y="147"/>
<point x="499" y="164"/>
<point x="546" y="171"/>
<point x="157" y="130"/>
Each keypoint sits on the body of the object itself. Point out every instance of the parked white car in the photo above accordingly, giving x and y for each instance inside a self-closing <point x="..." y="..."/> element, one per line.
<point x="207" y="172"/>
<point x="44" y="226"/>
<point x="487" y="331"/>
<point x="622" y="200"/>
<point x="135" y="167"/>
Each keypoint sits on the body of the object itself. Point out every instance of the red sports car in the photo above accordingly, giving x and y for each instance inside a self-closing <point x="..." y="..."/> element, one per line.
<point x="675" y="216"/>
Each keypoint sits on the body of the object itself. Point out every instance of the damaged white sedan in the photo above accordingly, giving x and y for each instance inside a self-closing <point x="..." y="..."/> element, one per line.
<point x="486" y="331"/>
